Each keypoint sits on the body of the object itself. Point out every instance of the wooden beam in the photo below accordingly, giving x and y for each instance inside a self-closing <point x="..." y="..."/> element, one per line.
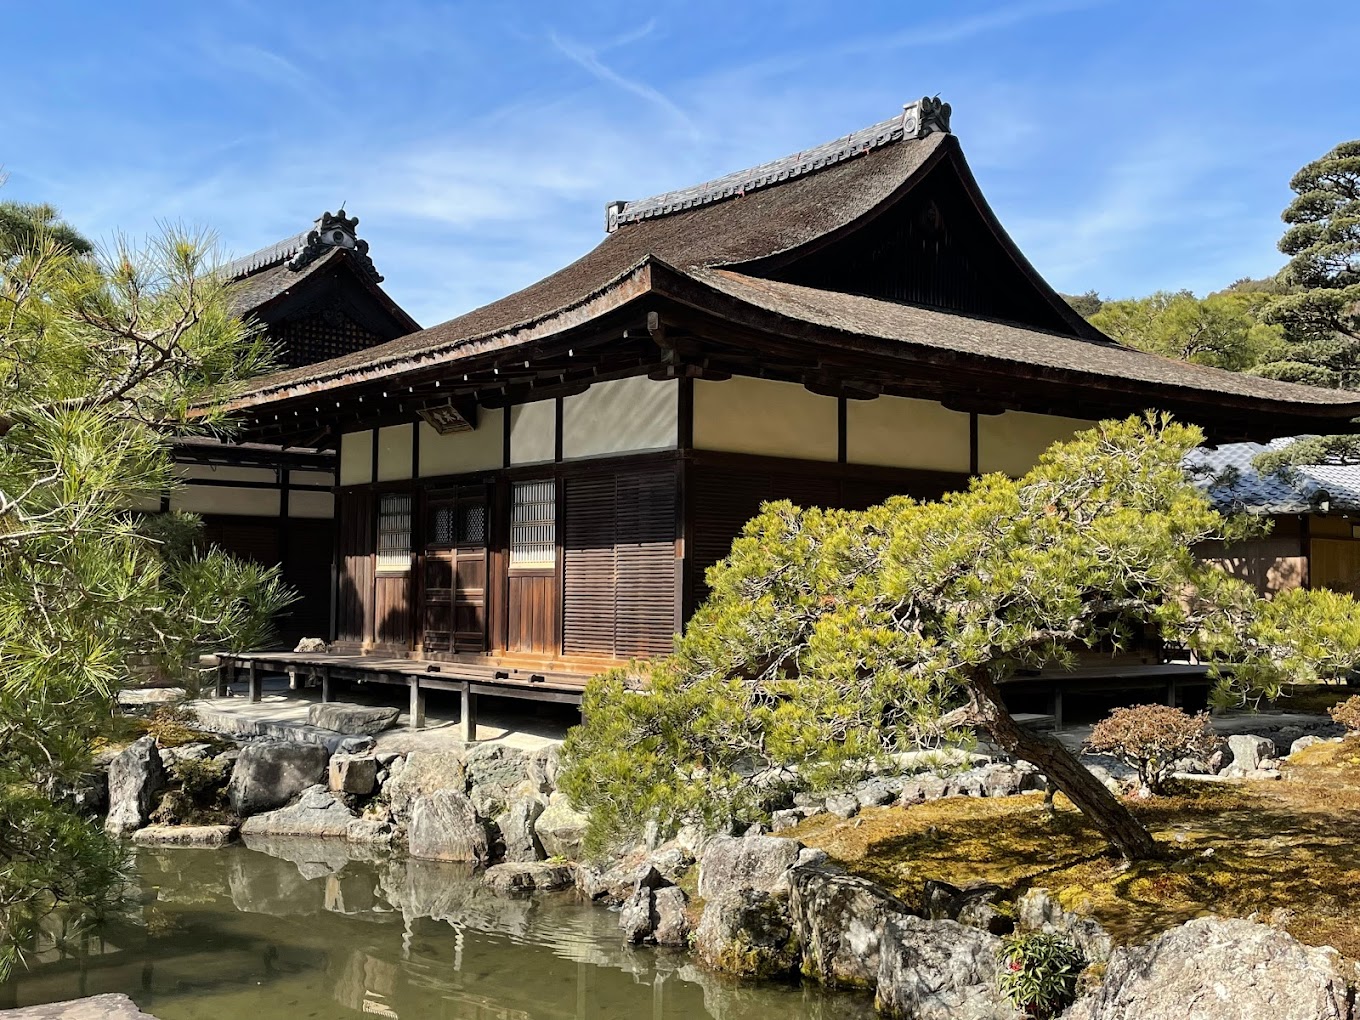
<point x="467" y="718"/>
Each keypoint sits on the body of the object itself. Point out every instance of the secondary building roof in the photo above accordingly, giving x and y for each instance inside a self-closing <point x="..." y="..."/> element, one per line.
<point x="876" y="250"/>
<point x="1227" y="475"/>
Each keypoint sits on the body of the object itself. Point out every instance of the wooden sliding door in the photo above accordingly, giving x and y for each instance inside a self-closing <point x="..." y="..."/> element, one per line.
<point x="453" y="586"/>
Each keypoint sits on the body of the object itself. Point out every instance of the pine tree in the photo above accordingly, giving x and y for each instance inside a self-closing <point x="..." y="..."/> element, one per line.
<point x="104" y="359"/>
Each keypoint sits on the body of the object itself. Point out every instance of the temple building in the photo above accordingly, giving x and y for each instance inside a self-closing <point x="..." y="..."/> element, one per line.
<point x="316" y="295"/>
<point x="533" y="490"/>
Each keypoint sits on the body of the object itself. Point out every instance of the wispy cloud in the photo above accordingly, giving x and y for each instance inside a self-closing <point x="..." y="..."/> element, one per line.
<point x="589" y="60"/>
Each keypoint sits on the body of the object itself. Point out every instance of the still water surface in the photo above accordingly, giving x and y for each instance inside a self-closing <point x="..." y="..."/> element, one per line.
<point x="300" y="929"/>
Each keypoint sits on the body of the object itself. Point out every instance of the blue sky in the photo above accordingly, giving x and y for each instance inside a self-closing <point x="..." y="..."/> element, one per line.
<point x="1127" y="146"/>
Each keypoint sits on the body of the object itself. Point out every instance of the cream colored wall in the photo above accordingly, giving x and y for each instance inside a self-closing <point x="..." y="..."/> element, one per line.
<point x="316" y="505"/>
<point x="310" y="478"/>
<point x="221" y="499"/>
<point x="761" y="416"/>
<point x="482" y="449"/>
<point x="394" y="452"/>
<point x="906" y="433"/>
<point x="1012" y="442"/>
<point x="533" y="432"/>
<point x="621" y="416"/>
<point x="356" y="458"/>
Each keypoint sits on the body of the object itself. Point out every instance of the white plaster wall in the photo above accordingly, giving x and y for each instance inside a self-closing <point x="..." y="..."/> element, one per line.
<point x="356" y="458"/>
<point x="394" y="452"/>
<point x="482" y="449"/>
<point x="907" y="433"/>
<point x="621" y="416"/>
<point x="1012" y="442"/>
<point x="220" y="499"/>
<point x="317" y="505"/>
<point x="533" y="432"/>
<point x="762" y="416"/>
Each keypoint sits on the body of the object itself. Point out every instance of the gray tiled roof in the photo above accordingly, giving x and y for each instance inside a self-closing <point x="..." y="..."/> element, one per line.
<point x="1228" y="476"/>
<point x="267" y="256"/>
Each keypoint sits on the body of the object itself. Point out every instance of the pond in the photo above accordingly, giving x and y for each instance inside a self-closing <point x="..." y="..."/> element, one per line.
<point x="300" y="929"/>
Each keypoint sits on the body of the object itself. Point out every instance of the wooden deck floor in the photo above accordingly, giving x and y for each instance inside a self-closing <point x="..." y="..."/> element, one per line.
<point x="470" y="680"/>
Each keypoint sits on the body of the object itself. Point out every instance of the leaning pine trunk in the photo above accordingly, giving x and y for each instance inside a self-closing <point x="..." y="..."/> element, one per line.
<point x="1064" y="771"/>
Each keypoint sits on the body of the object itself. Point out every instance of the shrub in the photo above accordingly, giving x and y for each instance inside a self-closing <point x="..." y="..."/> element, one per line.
<point x="1039" y="972"/>
<point x="1151" y="738"/>
<point x="1347" y="713"/>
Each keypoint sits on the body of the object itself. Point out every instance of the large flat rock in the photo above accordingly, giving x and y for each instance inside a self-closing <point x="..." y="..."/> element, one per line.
<point x="352" y="720"/>
<point x="96" y="1007"/>
<point x="185" y="835"/>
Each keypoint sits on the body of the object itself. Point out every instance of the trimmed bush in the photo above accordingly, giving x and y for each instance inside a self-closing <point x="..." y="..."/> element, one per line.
<point x="1347" y="713"/>
<point x="1152" y="738"/>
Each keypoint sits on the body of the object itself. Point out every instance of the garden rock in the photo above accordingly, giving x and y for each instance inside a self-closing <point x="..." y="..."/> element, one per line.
<point x="110" y="1006"/>
<point x="311" y="645"/>
<point x="445" y="827"/>
<point x="637" y="917"/>
<point x="517" y="830"/>
<point x="755" y="863"/>
<point x="141" y="700"/>
<point x="372" y="831"/>
<point x="542" y="767"/>
<point x="1305" y="742"/>
<point x="318" y="812"/>
<point x="171" y="756"/>
<point x="673" y="862"/>
<point x="843" y="805"/>
<point x="270" y="773"/>
<point x="746" y="932"/>
<point x="185" y="835"/>
<point x="425" y="772"/>
<point x="353" y="773"/>
<point x="1248" y="750"/>
<point x="938" y="970"/>
<point x="1037" y="910"/>
<point x="672" y="920"/>
<point x="560" y="828"/>
<point x="135" y="777"/>
<point x="519" y="878"/>
<point x="786" y="819"/>
<point x="1215" y="968"/>
<point x="352" y="720"/>
<point x="495" y="764"/>
<point x="838" y="919"/>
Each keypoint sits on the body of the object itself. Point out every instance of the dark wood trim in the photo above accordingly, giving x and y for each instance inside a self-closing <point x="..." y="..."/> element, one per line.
<point x="945" y="480"/>
<point x="505" y="435"/>
<point x="684" y="414"/>
<point x="684" y="525"/>
<point x="415" y="449"/>
<point x="225" y="483"/>
<point x="557" y="429"/>
<point x="373" y="456"/>
<point x="842" y="428"/>
<point x="973" y="443"/>
<point x="1306" y="549"/>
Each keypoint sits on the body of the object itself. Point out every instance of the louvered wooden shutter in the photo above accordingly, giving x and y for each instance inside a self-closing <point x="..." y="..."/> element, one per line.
<point x="589" y="581"/>
<point x="619" y="564"/>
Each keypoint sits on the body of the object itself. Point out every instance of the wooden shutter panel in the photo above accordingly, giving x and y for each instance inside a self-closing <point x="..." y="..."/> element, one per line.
<point x="588" y="581"/>
<point x="645" y="556"/>
<point x="354" y="600"/>
<point x="619" y="564"/>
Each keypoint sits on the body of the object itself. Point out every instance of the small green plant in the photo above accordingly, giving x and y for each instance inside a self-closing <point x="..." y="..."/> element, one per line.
<point x="1347" y="713"/>
<point x="201" y="796"/>
<point x="1039" y="972"/>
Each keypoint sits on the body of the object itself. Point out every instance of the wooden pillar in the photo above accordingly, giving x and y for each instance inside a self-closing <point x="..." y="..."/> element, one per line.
<point x="468" y="716"/>
<point x="225" y="671"/>
<point x="1171" y="692"/>
<point x="253" y="675"/>
<point x="1055" y="699"/>
<point x="417" y="704"/>
<point x="325" y="684"/>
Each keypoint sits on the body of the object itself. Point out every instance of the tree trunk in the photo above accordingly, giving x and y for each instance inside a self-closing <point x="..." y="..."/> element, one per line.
<point x="1064" y="771"/>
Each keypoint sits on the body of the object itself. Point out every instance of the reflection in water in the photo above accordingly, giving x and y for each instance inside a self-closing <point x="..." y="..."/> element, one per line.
<point x="302" y="928"/>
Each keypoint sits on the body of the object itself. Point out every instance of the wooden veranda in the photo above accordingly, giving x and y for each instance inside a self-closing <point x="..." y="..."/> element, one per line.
<point x="468" y="680"/>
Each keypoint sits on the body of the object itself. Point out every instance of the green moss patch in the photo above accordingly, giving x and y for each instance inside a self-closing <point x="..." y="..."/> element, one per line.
<point x="1286" y="851"/>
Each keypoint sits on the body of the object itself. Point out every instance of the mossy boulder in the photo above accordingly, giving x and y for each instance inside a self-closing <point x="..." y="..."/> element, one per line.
<point x="747" y="933"/>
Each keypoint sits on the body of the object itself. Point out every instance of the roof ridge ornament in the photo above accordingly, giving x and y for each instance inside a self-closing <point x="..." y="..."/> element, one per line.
<point x="334" y="230"/>
<point x="917" y="119"/>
